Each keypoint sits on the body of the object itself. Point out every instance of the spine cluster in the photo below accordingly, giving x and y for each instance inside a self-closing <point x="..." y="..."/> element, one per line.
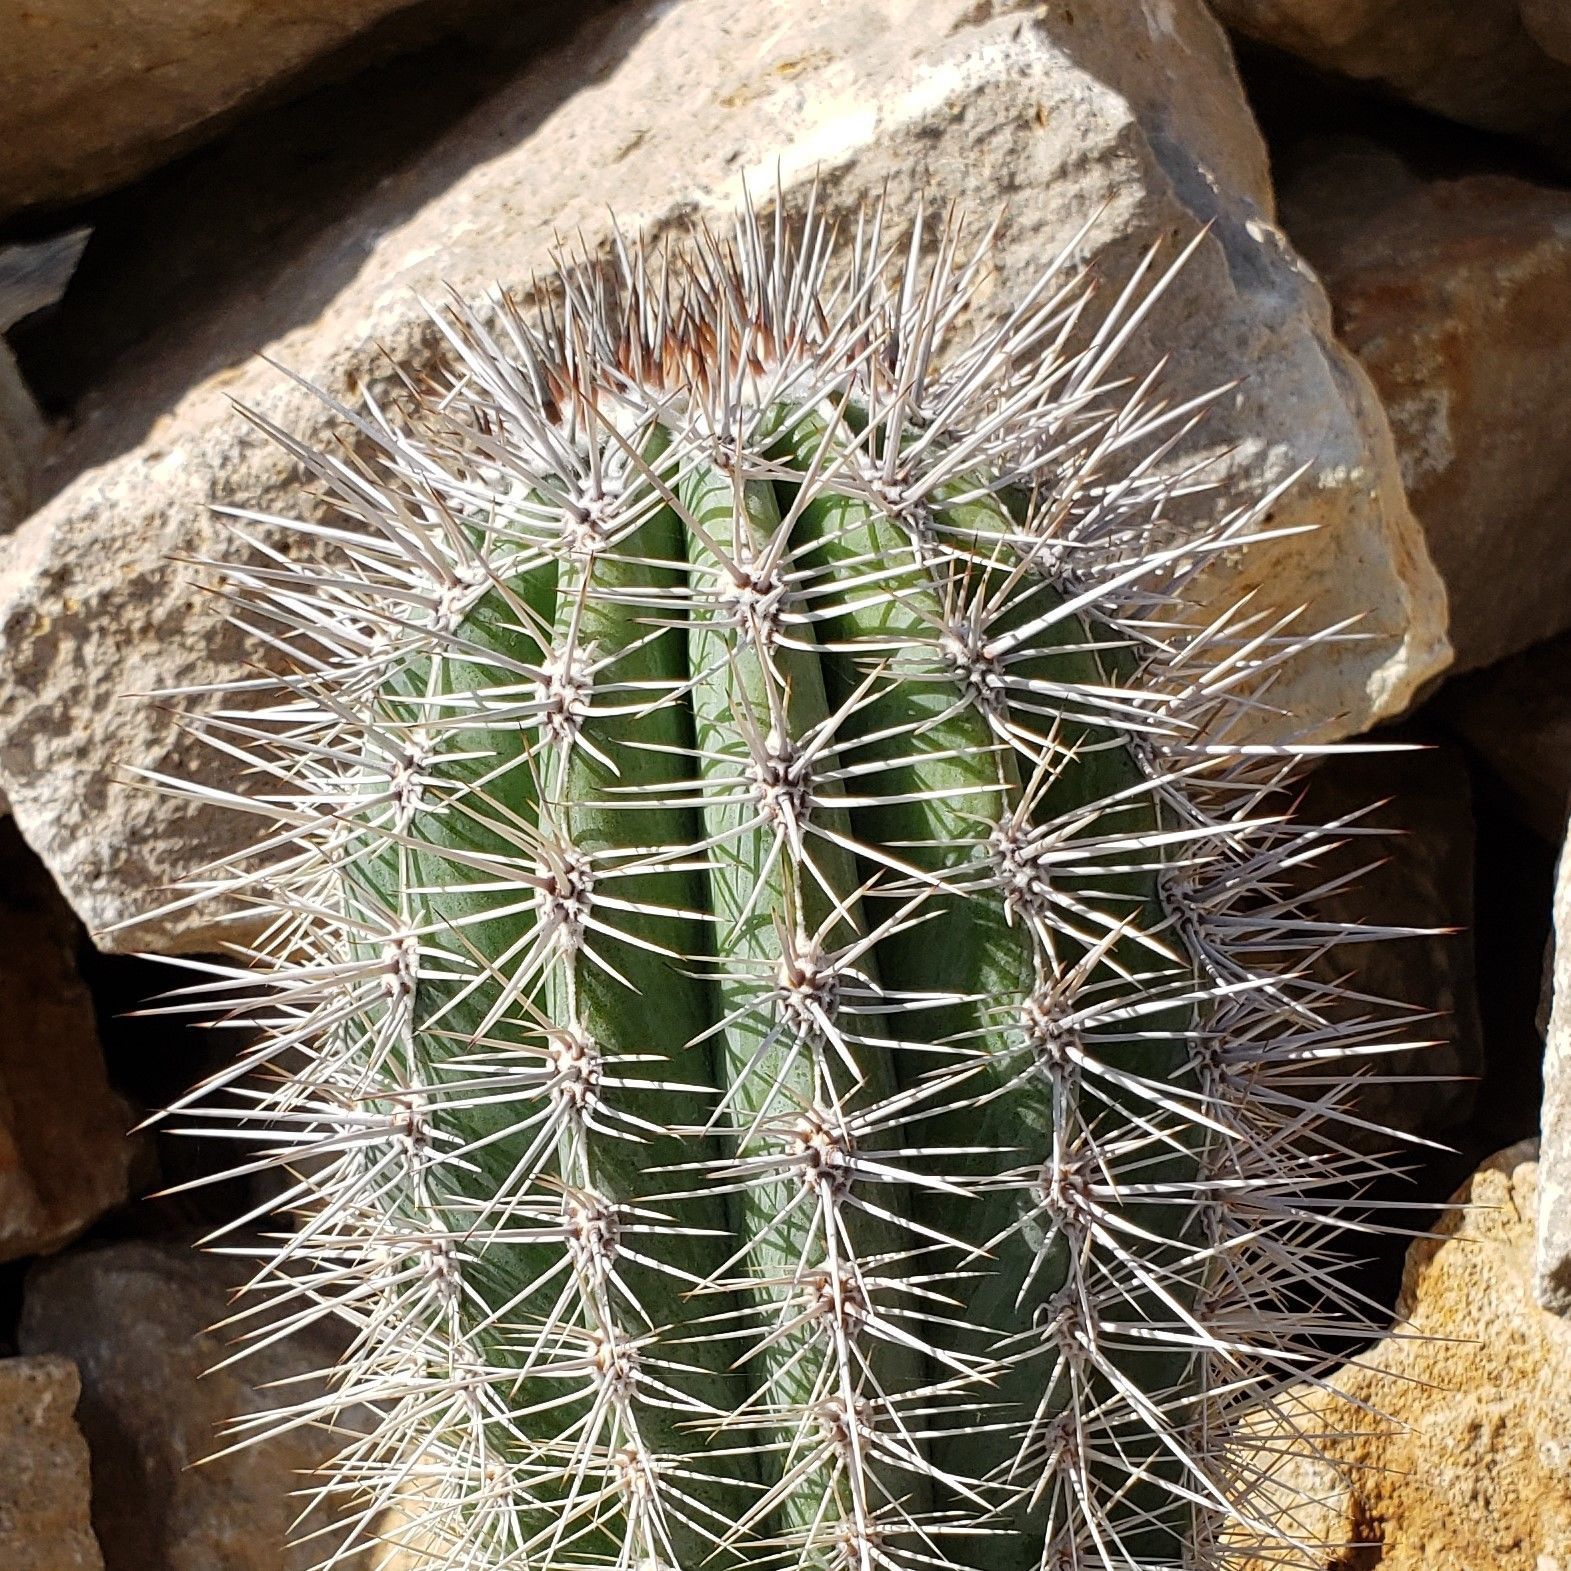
<point x="787" y="1016"/>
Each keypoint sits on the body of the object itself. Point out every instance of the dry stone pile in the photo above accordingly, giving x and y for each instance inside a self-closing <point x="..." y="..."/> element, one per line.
<point x="1145" y="126"/>
<point x="139" y="1320"/>
<point x="1390" y="323"/>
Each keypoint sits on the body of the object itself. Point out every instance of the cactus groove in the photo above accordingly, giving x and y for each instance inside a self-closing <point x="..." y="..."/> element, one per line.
<point x="783" y="1017"/>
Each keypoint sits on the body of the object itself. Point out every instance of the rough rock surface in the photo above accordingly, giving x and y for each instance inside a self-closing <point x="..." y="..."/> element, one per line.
<point x="94" y="92"/>
<point x="1517" y="717"/>
<point x="43" y="1470"/>
<point x="1554" y="1217"/>
<point x="1131" y="114"/>
<point x="134" y="1317"/>
<point x="1413" y="861"/>
<point x="1456" y="297"/>
<point x="1501" y="65"/>
<point x="1456" y="1428"/>
<point x="64" y="1148"/>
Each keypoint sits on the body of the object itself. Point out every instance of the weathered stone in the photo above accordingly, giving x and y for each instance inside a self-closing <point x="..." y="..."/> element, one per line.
<point x="1456" y="297"/>
<point x="92" y="94"/>
<point x="31" y="277"/>
<point x="1548" y="23"/>
<point x="1500" y="65"/>
<point x="135" y="1318"/>
<point x="23" y="433"/>
<point x="43" y="1470"/>
<point x="64" y="1149"/>
<point x="1132" y="115"/>
<point x="1516" y="716"/>
<point x="1450" y="1441"/>
<point x="1554" y="1217"/>
<point x="35" y="275"/>
<point x="1411" y="862"/>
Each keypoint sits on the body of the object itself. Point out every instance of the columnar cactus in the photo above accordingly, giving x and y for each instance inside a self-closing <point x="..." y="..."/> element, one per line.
<point x="783" y="1016"/>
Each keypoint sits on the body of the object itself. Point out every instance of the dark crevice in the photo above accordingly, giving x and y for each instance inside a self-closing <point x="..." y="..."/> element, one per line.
<point x="1298" y="107"/>
<point x="1513" y="895"/>
<point x="13" y="1275"/>
<point x="152" y="1060"/>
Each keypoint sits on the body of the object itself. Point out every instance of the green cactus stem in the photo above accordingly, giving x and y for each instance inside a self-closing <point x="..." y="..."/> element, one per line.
<point x="781" y="1015"/>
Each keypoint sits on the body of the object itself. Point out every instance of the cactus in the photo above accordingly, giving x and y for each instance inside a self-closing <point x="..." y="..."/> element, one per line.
<point x="783" y="1022"/>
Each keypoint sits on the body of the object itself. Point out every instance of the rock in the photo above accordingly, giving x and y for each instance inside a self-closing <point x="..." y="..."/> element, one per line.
<point x="23" y="434"/>
<point x="1449" y="1443"/>
<point x="44" y="1480"/>
<point x="1548" y="23"/>
<point x="1554" y="1217"/>
<point x="1414" y="871"/>
<point x="31" y="277"/>
<point x="92" y="96"/>
<point x="34" y="276"/>
<point x="134" y="1317"/>
<point x="1516" y="717"/>
<point x="1132" y="115"/>
<point x="1501" y="65"/>
<point x="1456" y="297"/>
<point x="64" y="1148"/>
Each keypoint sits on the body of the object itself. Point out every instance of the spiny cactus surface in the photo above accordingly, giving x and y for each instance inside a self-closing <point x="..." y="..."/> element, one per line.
<point x="784" y="1019"/>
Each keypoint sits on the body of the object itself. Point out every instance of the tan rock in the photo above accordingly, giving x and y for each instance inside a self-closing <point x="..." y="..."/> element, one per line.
<point x="1450" y="1444"/>
<point x="135" y="1319"/>
<point x="1497" y="64"/>
<point x="64" y="1148"/>
<point x="1456" y="297"/>
<point x="93" y="92"/>
<point x="43" y="1470"/>
<point x="1554" y="1217"/>
<point x="1516" y="716"/>
<point x="1130" y="113"/>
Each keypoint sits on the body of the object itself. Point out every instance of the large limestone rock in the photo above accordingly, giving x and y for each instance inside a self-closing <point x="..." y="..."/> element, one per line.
<point x="1130" y="114"/>
<point x="135" y="1319"/>
<point x="1554" y="1219"/>
<point x="1456" y="297"/>
<point x="1448" y="1443"/>
<point x="93" y="92"/>
<point x="1517" y="717"/>
<point x="43" y="1470"/>
<point x="65" y="1153"/>
<point x="1502" y="65"/>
